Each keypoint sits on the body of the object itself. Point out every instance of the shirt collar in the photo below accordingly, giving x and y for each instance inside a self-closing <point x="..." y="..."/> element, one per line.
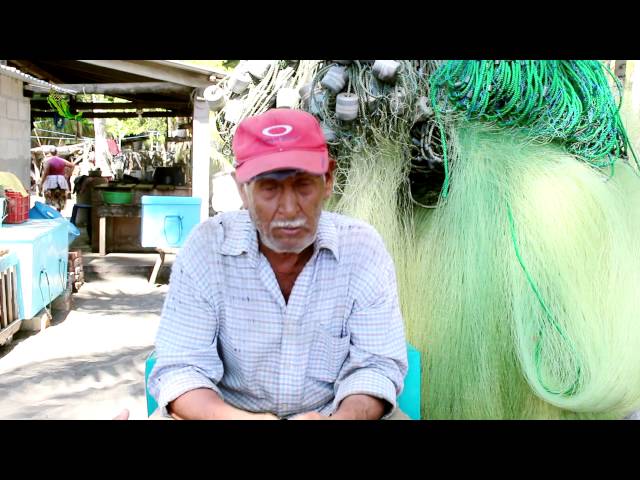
<point x="241" y="236"/>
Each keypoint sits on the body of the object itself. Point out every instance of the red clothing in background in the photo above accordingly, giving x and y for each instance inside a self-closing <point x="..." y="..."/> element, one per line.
<point x="56" y="165"/>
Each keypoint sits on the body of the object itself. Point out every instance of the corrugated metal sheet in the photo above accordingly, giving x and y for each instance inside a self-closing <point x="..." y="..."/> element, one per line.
<point x="15" y="73"/>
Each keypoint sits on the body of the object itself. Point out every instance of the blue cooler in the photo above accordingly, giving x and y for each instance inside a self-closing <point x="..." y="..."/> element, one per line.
<point x="41" y="210"/>
<point x="167" y="221"/>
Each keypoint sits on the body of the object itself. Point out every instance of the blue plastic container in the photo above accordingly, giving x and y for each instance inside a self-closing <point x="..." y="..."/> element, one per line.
<point x="168" y="220"/>
<point x="42" y="250"/>
<point x="41" y="210"/>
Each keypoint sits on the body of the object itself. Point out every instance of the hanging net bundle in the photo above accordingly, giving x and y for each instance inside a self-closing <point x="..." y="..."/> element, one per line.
<point x="506" y="193"/>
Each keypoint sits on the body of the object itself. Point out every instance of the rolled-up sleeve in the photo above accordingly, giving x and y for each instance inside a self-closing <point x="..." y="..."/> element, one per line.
<point x="186" y="350"/>
<point x="377" y="360"/>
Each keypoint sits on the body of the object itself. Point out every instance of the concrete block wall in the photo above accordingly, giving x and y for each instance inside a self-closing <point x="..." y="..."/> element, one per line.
<point x="15" y="129"/>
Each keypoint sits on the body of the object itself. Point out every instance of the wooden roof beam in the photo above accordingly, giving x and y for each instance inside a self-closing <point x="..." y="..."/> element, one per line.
<point x="171" y="114"/>
<point x="87" y="106"/>
<point x="116" y="89"/>
<point x="151" y="69"/>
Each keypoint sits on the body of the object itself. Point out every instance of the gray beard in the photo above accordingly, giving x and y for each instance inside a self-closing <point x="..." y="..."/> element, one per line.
<point x="271" y="246"/>
<point x="267" y="241"/>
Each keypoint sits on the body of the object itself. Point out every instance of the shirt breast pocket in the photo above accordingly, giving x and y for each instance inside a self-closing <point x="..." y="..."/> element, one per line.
<point x="327" y="356"/>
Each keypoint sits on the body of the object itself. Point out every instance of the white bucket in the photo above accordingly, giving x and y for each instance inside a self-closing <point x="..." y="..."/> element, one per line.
<point x="224" y="193"/>
<point x="287" y="98"/>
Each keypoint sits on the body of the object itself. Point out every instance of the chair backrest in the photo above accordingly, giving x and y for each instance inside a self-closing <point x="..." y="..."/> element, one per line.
<point x="408" y="401"/>
<point x="152" y="405"/>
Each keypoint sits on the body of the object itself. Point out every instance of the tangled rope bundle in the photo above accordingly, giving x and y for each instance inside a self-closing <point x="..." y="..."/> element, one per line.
<point x="519" y="289"/>
<point x="259" y="96"/>
<point x="553" y="100"/>
<point x="396" y="107"/>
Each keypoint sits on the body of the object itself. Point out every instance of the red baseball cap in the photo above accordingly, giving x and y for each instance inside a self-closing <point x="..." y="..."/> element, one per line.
<point x="279" y="139"/>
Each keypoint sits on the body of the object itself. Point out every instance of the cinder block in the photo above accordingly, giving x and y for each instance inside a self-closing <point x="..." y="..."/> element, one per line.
<point x="19" y="126"/>
<point x="4" y="129"/>
<point x="14" y="130"/>
<point x="38" y="323"/>
<point x="12" y="109"/>
<point x="20" y="90"/>
<point x="12" y="149"/>
<point x="3" y="108"/>
<point x="5" y="87"/>
<point x="15" y="86"/>
<point x="23" y="110"/>
<point x="3" y="148"/>
<point x="21" y="133"/>
<point x="24" y="152"/>
<point x="5" y="133"/>
<point x="10" y="87"/>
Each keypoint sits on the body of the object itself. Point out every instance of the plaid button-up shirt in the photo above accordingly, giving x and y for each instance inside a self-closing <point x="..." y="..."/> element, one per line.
<point x="226" y="326"/>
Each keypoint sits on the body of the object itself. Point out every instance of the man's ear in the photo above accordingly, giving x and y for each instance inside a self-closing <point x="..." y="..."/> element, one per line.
<point x="329" y="178"/>
<point x="241" y="191"/>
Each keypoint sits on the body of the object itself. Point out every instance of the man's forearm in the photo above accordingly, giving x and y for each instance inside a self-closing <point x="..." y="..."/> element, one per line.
<point x="205" y="404"/>
<point x="360" y="407"/>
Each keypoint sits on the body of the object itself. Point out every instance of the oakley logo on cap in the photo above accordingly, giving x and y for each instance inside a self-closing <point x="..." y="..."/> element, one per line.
<point x="269" y="131"/>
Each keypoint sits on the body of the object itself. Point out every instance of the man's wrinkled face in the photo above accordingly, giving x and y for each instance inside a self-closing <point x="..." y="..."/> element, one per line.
<point x="286" y="210"/>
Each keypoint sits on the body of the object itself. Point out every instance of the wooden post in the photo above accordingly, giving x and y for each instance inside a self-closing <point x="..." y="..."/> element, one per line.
<point x="200" y="155"/>
<point x="101" y="149"/>
<point x="3" y="306"/>
<point x="103" y="236"/>
<point x="14" y="286"/>
<point x="156" y="267"/>
<point x="10" y="293"/>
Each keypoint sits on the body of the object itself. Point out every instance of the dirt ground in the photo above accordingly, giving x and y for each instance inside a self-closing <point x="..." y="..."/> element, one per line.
<point x="89" y="364"/>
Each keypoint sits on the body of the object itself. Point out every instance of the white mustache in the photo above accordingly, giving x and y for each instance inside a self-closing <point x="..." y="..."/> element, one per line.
<point x="296" y="223"/>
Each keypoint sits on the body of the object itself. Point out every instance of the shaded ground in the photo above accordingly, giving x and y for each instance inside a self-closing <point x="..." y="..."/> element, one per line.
<point x="90" y="363"/>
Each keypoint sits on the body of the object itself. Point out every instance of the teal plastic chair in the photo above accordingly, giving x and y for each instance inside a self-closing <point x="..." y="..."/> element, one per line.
<point x="152" y="405"/>
<point x="408" y="401"/>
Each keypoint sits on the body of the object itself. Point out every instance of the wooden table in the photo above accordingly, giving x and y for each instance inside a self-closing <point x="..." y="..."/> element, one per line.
<point x="104" y="211"/>
<point x="124" y="226"/>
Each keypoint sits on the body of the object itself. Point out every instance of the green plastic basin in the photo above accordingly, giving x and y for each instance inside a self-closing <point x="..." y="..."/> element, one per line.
<point x="117" y="198"/>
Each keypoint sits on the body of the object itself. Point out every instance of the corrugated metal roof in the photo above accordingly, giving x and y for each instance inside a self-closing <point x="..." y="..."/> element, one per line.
<point x="15" y="73"/>
<point x="219" y="73"/>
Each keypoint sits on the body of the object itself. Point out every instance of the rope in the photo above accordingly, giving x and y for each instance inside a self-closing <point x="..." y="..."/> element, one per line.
<point x="551" y="318"/>
<point x="554" y="100"/>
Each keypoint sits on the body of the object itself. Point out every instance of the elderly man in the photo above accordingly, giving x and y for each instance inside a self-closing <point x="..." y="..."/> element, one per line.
<point x="282" y="310"/>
